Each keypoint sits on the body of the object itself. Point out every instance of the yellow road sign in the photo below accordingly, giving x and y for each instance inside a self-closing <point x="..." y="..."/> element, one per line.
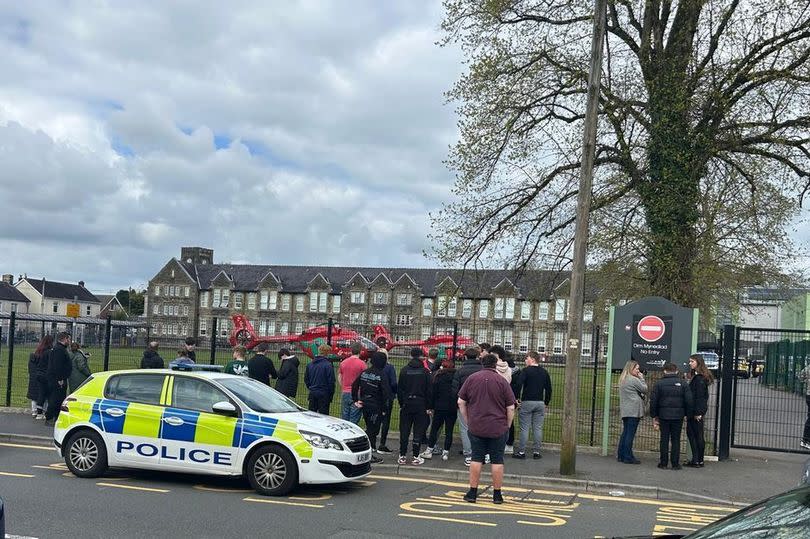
<point x="73" y="310"/>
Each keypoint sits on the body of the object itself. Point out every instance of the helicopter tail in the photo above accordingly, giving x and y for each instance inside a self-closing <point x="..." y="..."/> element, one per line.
<point x="380" y="332"/>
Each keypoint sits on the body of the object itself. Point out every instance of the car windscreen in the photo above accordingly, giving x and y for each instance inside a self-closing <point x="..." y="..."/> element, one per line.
<point x="257" y="396"/>
<point x="783" y="516"/>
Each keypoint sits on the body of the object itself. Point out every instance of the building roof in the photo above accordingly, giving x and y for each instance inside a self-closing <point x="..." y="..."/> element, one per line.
<point x="9" y="293"/>
<point x="535" y="284"/>
<point x="55" y="289"/>
<point x="766" y="294"/>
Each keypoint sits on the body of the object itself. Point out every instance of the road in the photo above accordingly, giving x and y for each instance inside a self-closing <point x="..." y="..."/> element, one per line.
<point x="44" y="500"/>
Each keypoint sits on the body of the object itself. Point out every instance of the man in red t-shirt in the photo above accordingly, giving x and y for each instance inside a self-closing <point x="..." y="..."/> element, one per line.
<point x="350" y="368"/>
<point x="487" y="404"/>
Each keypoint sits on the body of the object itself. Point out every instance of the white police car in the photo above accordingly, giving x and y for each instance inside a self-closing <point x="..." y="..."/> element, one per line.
<point x="205" y="422"/>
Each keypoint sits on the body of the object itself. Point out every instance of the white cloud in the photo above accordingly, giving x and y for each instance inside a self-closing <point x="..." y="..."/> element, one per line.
<point x="308" y="133"/>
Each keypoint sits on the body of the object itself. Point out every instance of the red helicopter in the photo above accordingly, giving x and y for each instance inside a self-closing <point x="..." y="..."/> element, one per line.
<point x="309" y="340"/>
<point x="442" y="342"/>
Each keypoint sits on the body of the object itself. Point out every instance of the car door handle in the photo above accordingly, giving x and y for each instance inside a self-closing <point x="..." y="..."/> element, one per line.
<point x="173" y="421"/>
<point x="115" y="412"/>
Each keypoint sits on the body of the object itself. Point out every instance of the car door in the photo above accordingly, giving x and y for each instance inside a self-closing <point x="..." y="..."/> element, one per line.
<point x="193" y="436"/>
<point x="130" y="418"/>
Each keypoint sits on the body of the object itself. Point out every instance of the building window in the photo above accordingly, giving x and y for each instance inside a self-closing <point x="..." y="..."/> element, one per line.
<point x="237" y="300"/>
<point x="482" y="336"/>
<point x="204" y="299"/>
<point x="358" y="297"/>
<point x="379" y="318"/>
<point x="226" y="296"/>
<point x="56" y="306"/>
<point x="357" y="318"/>
<point x="404" y="320"/>
<point x="497" y="336"/>
<point x="88" y="310"/>
<point x="483" y="308"/>
<point x="542" y="311"/>
<point x="271" y="327"/>
<point x="156" y="308"/>
<point x="335" y="304"/>
<point x="185" y="310"/>
<point x="285" y="303"/>
<point x="525" y="310"/>
<point x="559" y="338"/>
<point x="203" y="327"/>
<point x="504" y="308"/>
<point x="425" y="332"/>
<point x="317" y="302"/>
<point x="427" y="307"/>
<point x="217" y="301"/>
<point x="186" y="291"/>
<point x="541" y="341"/>
<point x="251" y="301"/>
<point x="262" y="328"/>
<point x="380" y="298"/>
<point x="447" y="306"/>
<point x="224" y="327"/>
<point x="404" y="299"/>
<point x="166" y="309"/>
<point x="587" y="339"/>
<point x="285" y="328"/>
<point x="299" y="303"/>
<point x="13" y="308"/>
<point x="524" y="342"/>
<point x="559" y="309"/>
<point x="299" y="327"/>
<point x="466" y="308"/>
<point x="507" y="340"/>
<point x="263" y="300"/>
<point x="587" y="312"/>
<point x="157" y="291"/>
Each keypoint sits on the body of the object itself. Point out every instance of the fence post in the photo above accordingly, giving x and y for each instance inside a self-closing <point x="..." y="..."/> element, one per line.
<point x="455" y="340"/>
<point x="12" y="324"/>
<point x="727" y="375"/>
<point x="213" y="340"/>
<point x="329" y="325"/>
<point x="595" y="354"/>
<point x="608" y="373"/>
<point x="1" y="340"/>
<point x="107" y="339"/>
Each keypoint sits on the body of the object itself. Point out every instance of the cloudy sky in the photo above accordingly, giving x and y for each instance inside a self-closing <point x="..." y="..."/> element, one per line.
<point x="306" y="132"/>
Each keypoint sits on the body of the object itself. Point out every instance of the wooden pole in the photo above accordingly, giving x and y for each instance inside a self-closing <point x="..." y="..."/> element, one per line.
<point x="568" y="452"/>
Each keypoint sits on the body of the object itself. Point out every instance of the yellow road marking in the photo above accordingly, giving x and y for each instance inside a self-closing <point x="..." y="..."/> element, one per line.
<point x="43" y="467"/>
<point x="217" y="489"/>
<point x="314" y="498"/>
<point x="26" y="446"/>
<point x="662" y="503"/>
<point x="12" y="474"/>
<point x="279" y="502"/>
<point x="445" y="519"/>
<point x="131" y="487"/>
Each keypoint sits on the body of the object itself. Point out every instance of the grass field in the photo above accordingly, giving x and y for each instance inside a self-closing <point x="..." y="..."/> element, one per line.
<point x="130" y="358"/>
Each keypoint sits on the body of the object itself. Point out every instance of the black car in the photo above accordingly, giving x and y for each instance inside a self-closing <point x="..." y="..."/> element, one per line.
<point x="784" y="515"/>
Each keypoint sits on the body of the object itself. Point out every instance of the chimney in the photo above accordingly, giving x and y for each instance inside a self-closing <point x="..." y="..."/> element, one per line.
<point x="8" y="278"/>
<point x="81" y="283"/>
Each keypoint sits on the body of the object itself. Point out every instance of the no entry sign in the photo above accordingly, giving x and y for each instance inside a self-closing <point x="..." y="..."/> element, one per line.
<point x="651" y="328"/>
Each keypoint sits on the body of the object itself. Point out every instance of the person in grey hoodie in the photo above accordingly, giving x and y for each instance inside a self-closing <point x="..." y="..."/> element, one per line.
<point x="632" y="392"/>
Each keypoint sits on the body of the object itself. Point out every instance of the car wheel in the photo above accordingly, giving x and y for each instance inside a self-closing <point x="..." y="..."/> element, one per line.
<point x="85" y="454"/>
<point x="272" y="471"/>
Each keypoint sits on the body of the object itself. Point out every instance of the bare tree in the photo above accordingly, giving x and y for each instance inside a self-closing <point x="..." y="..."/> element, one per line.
<point x="703" y="152"/>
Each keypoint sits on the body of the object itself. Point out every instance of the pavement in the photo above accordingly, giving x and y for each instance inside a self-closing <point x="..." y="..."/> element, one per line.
<point x="746" y="477"/>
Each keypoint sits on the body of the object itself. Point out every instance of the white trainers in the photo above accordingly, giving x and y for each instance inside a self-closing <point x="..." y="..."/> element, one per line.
<point x="402" y="460"/>
<point x="467" y="461"/>
<point x="40" y="416"/>
<point x="445" y="454"/>
<point x="416" y="461"/>
<point x="427" y="453"/>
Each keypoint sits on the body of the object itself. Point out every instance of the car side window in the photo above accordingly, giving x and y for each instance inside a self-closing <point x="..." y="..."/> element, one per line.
<point x="195" y="394"/>
<point x="144" y="388"/>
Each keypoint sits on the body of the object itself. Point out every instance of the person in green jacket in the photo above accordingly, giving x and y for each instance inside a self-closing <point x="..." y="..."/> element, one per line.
<point x="238" y="365"/>
<point x="81" y="370"/>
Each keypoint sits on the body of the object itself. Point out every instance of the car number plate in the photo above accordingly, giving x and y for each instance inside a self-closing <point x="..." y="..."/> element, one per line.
<point x="363" y="458"/>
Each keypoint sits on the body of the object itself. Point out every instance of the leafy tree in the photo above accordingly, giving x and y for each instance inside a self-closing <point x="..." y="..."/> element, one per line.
<point x="132" y="300"/>
<point x="703" y="152"/>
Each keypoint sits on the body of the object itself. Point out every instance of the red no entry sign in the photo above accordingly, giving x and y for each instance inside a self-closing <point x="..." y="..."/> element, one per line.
<point x="651" y="328"/>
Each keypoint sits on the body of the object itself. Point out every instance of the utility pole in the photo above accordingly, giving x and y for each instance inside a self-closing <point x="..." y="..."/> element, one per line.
<point x="568" y="451"/>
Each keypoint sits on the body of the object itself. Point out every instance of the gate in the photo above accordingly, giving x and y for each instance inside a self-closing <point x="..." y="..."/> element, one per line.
<point x="768" y="404"/>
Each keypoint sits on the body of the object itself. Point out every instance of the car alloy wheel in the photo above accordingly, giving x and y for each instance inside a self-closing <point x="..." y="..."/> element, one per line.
<point x="270" y="471"/>
<point x="83" y="454"/>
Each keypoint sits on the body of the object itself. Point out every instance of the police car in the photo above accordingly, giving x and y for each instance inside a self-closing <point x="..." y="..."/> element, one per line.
<point x="205" y="422"/>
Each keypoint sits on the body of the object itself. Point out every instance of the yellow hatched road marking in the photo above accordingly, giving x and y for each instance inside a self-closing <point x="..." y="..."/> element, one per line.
<point x="12" y="474"/>
<point x="660" y="503"/>
<point x="132" y="487"/>
<point x="26" y="446"/>
<point x="279" y="502"/>
<point x="446" y="519"/>
<point x="218" y="489"/>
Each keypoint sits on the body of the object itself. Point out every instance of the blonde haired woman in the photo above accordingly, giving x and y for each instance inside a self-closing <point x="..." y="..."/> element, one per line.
<point x="632" y="391"/>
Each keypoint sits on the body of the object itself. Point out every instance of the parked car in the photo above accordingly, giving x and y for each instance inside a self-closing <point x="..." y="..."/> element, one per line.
<point x="783" y="515"/>
<point x="712" y="361"/>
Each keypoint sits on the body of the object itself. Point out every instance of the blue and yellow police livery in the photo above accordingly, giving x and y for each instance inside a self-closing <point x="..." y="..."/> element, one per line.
<point x="205" y="422"/>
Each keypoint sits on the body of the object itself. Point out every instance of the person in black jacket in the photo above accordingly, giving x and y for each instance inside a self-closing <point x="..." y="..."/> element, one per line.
<point x="260" y="367"/>
<point x="190" y="346"/>
<point x="445" y="409"/>
<point x="471" y="364"/>
<point x="151" y="359"/>
<point x="533" y="392"/>
<point x="59" y="367"/>
<point x="413" y="394"/>
<point x="670" y="401"/>
<point x="287" y="382"/>
<point x="38" y="376"/>
<point x="699" y="381"/>
<point x="372" y="393"/>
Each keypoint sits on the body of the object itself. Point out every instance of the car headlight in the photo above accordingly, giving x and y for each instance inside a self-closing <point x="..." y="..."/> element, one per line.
<point x="321" y="441"/>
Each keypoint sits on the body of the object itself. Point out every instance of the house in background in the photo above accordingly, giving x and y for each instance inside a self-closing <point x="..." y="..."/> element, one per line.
<point x="52" y="297"/>
<point x="112" y="307"/>
<point x="11" y="299"/>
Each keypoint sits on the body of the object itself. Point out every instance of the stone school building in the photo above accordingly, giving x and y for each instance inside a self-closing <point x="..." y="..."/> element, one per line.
<point x="522" y="313"/>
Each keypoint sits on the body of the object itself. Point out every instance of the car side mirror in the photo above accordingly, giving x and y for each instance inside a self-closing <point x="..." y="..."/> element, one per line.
<point x="224" y="408"/>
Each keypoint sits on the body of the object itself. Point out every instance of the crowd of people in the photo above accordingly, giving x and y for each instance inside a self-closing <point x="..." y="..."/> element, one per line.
<point x="55" y="367"/>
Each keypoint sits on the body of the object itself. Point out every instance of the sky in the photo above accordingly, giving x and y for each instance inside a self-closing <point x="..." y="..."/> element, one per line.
<point x="303" y="132"/>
